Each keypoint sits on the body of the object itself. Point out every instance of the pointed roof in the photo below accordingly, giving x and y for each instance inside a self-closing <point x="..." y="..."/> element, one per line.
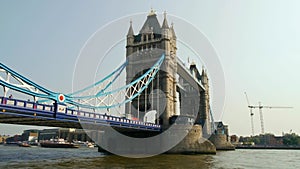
<point x="165" y="22"/>
<point x="151" y="24"/>
<point x="172" y="30"/>
<point x="130" y="31"/>
<point x="203" y="71"/>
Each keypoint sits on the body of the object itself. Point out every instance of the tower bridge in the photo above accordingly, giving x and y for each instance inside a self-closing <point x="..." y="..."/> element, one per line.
<point x="157" y="82"/>
<point x="174" y="79"/>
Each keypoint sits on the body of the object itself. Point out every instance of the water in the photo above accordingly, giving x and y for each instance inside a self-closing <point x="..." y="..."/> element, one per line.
<point x="44" y="158"/>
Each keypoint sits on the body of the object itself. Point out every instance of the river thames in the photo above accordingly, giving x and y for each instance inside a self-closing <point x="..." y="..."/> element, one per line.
<point x="37" y="157"/>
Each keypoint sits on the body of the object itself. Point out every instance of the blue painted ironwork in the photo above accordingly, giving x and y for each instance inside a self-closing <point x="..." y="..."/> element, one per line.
<point x="144" y="84"/>
<point x="117" y="72"/>
<point x="59" y="110"/>
<point x="72" y="98"/>
<point x="44" y="93"/>
<point x="21" y="108"/>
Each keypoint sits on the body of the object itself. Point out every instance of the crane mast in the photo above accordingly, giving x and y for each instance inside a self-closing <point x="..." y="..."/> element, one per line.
<point x="260" y="107"/>
<point x="261" y="118"/>
<point x="251" y="114"/>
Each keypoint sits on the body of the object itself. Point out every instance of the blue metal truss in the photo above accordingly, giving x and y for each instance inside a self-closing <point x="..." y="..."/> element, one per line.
<point x="59" y="110"/>
<point x="72" y="98"/>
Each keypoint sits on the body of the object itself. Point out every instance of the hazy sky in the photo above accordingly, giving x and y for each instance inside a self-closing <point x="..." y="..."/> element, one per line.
<point x="257" y="42"/>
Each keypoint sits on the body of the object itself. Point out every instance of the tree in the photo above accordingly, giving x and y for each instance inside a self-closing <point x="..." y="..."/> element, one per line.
<point x="291" y="139"/>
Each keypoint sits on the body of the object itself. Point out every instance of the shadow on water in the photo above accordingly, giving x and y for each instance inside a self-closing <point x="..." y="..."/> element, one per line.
<point x="112" y="161"/>
<point x="161" y="161"/>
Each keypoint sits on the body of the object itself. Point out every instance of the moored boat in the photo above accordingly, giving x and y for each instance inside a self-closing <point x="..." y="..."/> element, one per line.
<point x="58" y="143"/>
<point x="84" y="144"/>
<point x="24" y="144"/>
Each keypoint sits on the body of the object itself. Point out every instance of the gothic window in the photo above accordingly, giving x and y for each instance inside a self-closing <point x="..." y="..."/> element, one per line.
<point x="145" y="37"/>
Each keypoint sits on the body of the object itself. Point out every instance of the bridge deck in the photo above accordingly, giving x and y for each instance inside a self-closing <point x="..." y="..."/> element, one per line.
<point x="22" y="112"/>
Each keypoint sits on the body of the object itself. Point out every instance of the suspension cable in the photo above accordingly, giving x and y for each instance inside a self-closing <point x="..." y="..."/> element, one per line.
<point x="138" y="108"/>
<point x="157" y="95"/>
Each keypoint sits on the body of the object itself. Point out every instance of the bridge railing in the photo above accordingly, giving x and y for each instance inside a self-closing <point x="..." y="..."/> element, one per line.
<point x="26" y="104"/>
<point x="109" y="118"/>
<point x="71" y="113"/>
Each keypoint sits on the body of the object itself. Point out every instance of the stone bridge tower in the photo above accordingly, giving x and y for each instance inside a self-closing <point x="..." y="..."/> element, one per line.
<point x="204" y="114"/>
<point x="142" y="51"/>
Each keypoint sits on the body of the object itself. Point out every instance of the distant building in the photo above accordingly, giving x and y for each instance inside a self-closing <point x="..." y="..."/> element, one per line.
<point x="234" y="139"/>
<point x="15" y="138"/>
<point x="222" y="129"/>
<point x="30" y="135"/>
<point x="220" y="137"/>
<point x="48" y="134"/>
<point x="3" y="138"/>
<point x="266" y="139"/>
<point x="64" y="133"/>
<point x="273" y="140"/>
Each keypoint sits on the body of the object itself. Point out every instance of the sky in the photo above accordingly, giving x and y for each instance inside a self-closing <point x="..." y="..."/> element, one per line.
<point x="257" y="44"/>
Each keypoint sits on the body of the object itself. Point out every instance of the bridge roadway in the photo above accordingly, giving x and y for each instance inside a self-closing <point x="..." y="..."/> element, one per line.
<point x="14" y="111"/>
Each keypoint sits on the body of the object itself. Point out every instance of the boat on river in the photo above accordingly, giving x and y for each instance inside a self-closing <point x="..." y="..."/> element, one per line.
<point x="24" y="144"/>
<point x="86" y="144"/>
<point x="58" y="143"/>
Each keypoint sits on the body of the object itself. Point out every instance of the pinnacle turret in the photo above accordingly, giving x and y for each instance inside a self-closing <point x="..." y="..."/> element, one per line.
<point x="172" y="30"/>
<point x="204" y="78"/>
<point x="165" y="22"/>
<point x="130" y="31"/>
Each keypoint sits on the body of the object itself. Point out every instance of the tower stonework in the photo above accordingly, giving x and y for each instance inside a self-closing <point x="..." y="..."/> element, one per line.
<point x="204" y="113"/>
<point x="189" y="135"/>
<point x="142" y="51"/>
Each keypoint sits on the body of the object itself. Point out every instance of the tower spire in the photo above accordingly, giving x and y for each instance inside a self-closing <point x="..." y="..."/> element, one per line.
<point x="152" y="12"/>
<point x="172" y="30"/>
<point x="130" y="31"/>
<point x="203" y="71"/>
<point x="165" y="23"/>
